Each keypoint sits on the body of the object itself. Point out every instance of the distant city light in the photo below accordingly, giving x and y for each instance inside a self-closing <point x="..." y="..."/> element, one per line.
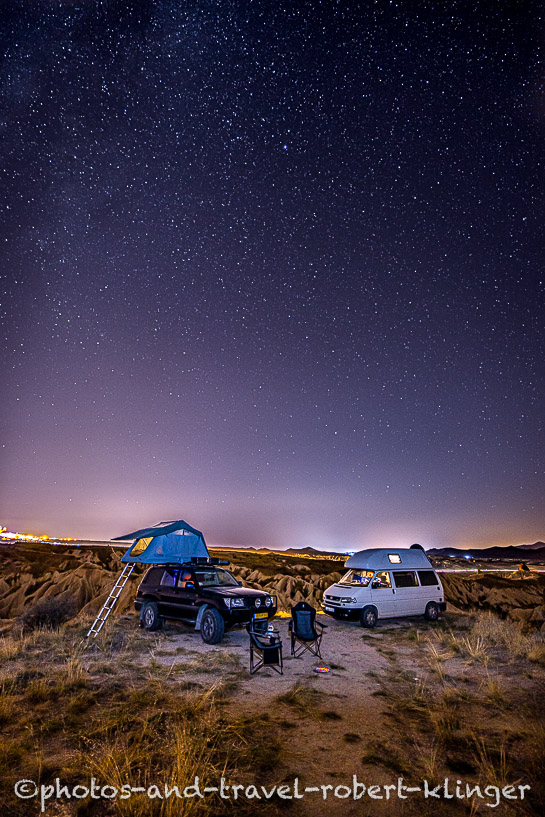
<point x="12" y="536"/>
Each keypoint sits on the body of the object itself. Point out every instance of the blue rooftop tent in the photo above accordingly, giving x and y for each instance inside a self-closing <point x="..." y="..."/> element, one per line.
<point x="164" y="543"/>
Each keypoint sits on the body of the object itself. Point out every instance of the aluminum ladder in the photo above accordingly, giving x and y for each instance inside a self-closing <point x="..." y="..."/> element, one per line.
<point x="111" y="601"/>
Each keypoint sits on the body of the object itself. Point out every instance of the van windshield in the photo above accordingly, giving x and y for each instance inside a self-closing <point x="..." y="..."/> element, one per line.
<point x="357" y="578"/>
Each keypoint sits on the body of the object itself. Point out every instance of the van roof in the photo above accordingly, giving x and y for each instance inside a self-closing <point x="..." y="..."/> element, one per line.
<point x="384" y="558"/>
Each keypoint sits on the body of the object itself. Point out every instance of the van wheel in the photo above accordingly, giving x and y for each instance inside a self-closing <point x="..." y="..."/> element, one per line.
<point x="432" y="611"/>
<point x="368" y="617"/>
<point x="150" y="617"/>
<point x="212" y="626"/>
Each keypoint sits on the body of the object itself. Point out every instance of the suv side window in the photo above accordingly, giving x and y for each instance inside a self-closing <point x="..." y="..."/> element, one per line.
<point x="428" y="578"/>
<point x="405" y="578"/>
<point x="185" y="578"/>
<point x="168" y="579"/>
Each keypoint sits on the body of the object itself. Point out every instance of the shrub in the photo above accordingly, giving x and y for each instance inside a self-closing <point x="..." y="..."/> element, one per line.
<point x="47" y="613"/>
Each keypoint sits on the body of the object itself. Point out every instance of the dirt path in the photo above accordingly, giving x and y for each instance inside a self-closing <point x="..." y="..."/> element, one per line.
<point x="321" y="720"/>
<point x="408" y="699"/>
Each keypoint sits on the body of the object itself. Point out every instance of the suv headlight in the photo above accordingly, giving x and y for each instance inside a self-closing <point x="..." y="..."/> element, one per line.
<point x="268" y="601"/>
<point x="258" y="602"/>
<point x="234" y="602"/>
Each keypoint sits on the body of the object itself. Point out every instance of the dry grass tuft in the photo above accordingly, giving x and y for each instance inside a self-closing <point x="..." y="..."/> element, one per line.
<point x="536" y="653"/>
<point x="302" y="699"/>
<point x="475" y="649"/>
<point x="494" y="693"/>
<point x="10" y="649"/>
<point x="184" y="751"/>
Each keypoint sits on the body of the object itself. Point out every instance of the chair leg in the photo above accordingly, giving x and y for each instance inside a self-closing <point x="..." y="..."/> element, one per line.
<point x="299" y="648"/>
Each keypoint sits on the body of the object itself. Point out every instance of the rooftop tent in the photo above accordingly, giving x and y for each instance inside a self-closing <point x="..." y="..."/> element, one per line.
<point x="382" y="558"/>
<point x="164" y="543"/>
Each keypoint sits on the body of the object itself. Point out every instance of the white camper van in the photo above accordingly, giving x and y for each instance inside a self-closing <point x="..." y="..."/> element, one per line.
<point x="386" y="583"/>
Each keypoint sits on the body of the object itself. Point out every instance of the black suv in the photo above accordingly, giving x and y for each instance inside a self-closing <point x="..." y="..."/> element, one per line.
<point x="203" y="594"/>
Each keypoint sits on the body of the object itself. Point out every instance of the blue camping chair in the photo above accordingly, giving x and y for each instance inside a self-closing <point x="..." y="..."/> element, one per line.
<point x="265" y="651"/>
<point x="306" y="632"/>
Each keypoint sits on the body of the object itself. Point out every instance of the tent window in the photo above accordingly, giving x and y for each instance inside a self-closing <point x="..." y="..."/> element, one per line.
<point x="140" y="546"/>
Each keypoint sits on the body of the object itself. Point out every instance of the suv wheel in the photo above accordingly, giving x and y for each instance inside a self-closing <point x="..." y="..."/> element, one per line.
<point x="150" y="616"/>
<point x="212" y="626"/>
<point x="432" y="611"/>
<point x="368" y="617"/>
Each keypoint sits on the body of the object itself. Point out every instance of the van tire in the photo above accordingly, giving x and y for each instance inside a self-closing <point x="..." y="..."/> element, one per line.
<point x="212" y="626"/>
<point x="432" y="611"/>
<point x="151" y="619"/>
<point x="368" y="617"/>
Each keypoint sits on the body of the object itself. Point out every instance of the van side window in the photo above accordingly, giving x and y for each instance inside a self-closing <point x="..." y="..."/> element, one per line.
<point x="381" y="580"/>
<point x="427" y="578"/>
<point x="405" y="578"/>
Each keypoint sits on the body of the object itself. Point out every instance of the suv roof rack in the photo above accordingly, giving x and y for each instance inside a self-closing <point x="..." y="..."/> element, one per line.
<point x="195" y="561"/>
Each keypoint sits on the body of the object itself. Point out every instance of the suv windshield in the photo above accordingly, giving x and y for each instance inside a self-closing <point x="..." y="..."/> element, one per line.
<point x="215" y="578"/>
<point x="357" y="578"/>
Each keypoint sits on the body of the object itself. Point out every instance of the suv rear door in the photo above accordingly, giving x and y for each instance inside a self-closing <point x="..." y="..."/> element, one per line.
<point x="177" y="594"/>
<point x="186" y="594"/>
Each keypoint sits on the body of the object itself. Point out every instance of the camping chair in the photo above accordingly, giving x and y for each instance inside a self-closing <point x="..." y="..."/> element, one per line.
<point x="306" y="632"/>
<point x="265" y="651"/>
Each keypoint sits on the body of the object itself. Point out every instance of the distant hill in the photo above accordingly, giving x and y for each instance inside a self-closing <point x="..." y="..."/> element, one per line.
<point x="536" y="546"/>
<point x="309" y="550"/>
<point x="516" y="553"/>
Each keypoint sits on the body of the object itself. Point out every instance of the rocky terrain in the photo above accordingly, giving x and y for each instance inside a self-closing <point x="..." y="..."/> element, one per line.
<point x="81" y="579"/>
<point x="460" y="698"/>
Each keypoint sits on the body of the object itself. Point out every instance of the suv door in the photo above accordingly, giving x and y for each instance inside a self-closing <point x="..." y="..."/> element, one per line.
<point x="186" y="596"/>
<point x="167" y="594"/>
<point x="177" y="593"/>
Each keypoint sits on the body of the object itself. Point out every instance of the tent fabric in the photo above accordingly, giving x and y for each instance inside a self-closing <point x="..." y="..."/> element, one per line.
<point x="166" y="543"/>
<point x="161" y="527"/>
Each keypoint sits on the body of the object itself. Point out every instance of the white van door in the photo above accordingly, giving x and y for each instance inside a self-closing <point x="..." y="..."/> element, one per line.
<point x="407" y="592"/>
<point x="430" y="588"/>
<point x="382" y="594"/>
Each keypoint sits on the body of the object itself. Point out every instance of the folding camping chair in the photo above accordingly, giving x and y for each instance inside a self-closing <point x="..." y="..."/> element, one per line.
<point x="265" y="651"/>
<point x="306" y="632"/>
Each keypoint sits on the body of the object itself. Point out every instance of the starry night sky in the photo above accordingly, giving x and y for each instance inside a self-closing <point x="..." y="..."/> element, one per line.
<point x="274" y="268"/>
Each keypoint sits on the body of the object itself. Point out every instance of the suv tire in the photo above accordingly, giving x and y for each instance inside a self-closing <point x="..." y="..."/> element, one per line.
<point x="432" y="611"/>
<point x="212" y="626"/>
<point x="368" y="617"/>
<point x="150" y="616"/>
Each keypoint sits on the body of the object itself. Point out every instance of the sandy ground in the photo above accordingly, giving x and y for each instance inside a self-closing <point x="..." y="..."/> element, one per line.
<point x="324" y="746"/>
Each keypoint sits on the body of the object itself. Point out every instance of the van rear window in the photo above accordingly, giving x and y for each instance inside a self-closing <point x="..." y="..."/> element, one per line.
<point x="427" y="578"/>
<point x="405" y="578"/>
